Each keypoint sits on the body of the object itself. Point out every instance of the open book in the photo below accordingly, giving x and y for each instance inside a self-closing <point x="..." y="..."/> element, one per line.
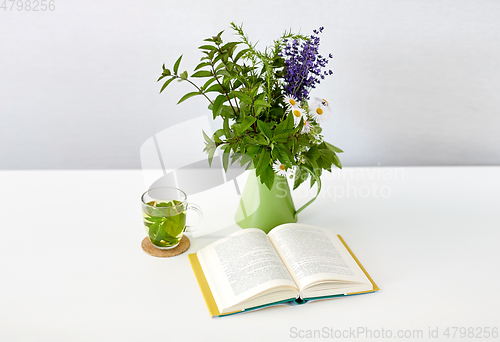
<point x="293" y="264"/>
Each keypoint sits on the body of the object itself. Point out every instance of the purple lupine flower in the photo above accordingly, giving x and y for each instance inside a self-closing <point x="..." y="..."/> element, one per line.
<point x="303" y="65"/>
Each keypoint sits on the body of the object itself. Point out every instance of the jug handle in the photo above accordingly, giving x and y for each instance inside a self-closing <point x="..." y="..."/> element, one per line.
<point x="318" y="182"/>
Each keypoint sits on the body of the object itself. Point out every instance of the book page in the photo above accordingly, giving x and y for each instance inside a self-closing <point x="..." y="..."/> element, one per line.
<point x="315" y="255"/>
<point x="242" y="266"/>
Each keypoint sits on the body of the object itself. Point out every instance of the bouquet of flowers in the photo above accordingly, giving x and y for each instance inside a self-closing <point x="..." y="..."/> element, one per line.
<point x="263" y="98"/>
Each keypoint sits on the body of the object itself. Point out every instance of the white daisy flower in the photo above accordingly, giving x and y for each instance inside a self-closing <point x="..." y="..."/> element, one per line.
<point x="291" y="102"/>
<point x="307" y="127"/>
<point x="320" y="110"/>
<point x="279" y="168"/>
<point x="298" y="113"/>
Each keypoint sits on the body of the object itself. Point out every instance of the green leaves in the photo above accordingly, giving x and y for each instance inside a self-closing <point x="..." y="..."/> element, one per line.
<point x="244" y="88"/>
<point x="166" y="84"/>
<point x="267" y="177"/>
<point x="202" y="73"/>
<point x="281" y="138"/>
<point x="265" y="129"/>
<point x="164" y="74"/>
<point x="217" y="88"/>
<point x="300" y="177"/>
<point x="246" y="123"/>
<point x="259" y="105"/>
<point x="218" y="105"/>
<point x="243" y="97"/>
<point x="184" y="76"/>
<point x="210" y="148"/>
<point x="263" y="162"/>
<point x="202" y="65"/>
<point x="176" y="65"/>
<point x="261" y="140"/>
<point x="241" y="54"/>
<point x="207" y="83"/>
<point x="207" y="47"/>
<point x="336" y="161"/>
<point x="225" y="157"/>
<point x="164" y="222"/>
<point x="333" y="148"/>
<point x="227" y="130"/>
<point x="188" y="95"/>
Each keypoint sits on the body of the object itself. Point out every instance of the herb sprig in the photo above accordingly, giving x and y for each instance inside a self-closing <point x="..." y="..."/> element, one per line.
<point x="263" y="99"/>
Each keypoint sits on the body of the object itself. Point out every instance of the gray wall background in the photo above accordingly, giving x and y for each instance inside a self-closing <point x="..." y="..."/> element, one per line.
<point x="415" y="83"/>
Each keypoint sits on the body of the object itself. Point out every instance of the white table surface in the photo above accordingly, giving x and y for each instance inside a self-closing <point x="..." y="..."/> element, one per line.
<point x="72" y="268"/>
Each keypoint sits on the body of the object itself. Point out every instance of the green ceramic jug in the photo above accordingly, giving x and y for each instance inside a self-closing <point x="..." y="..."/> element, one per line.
<point x="265" y="209"/>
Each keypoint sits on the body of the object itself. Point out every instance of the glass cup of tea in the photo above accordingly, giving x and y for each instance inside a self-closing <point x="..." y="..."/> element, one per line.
<point x="164" y="215"/>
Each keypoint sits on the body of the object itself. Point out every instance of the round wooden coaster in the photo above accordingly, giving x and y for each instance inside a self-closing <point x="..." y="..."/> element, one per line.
<point x="149" y="248"/>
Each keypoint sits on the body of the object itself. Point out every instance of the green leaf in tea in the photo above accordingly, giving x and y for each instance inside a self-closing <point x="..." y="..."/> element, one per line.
<point x="165" y="222"/>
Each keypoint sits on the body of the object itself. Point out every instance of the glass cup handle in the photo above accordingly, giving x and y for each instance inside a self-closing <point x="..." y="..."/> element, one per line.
<point x="195" y="228"/>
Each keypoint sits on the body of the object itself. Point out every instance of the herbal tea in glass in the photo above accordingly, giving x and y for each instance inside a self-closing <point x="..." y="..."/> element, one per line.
<point x="165" y="222"/>
<point x="164" y="215"/>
